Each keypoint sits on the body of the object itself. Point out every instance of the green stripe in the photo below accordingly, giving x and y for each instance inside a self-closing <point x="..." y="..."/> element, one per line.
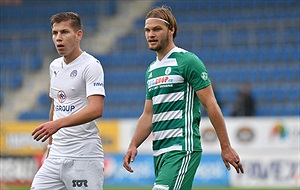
<point x="168" y="106"/>
<point x="165" y="143"/>
<point x="168" y="124"/>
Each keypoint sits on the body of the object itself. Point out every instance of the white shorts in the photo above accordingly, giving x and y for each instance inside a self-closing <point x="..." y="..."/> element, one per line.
<point x="69" y="174"/>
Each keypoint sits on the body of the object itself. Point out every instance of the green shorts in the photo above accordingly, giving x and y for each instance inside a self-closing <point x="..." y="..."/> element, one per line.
<point x="176" y="170"/>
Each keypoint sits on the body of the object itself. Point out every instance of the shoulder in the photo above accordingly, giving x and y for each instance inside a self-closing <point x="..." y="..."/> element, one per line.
<point x="182" y="55"/>
<point x="89" y="58"/>
<point x="56" y="62"/>
<point x="90" y="61"/>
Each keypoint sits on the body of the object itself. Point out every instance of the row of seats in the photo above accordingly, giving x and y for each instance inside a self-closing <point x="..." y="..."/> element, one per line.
<point x="37" y="13"/>
<point x="21" y="52"/>
<point x="261" y="55"/>
<point x="24" y="41"/>
<point x="228" y="5"/>
<point x="266" y="57"/>
<point x="10" y="63"/>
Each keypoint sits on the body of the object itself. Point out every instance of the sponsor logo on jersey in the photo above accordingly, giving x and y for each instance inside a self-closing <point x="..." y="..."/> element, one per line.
<point x="73" y="74"/>
<point x="55" y="73"/>
<point x="98" y="84"/>
<point x="64" y="108"/>
<point x="159" y="80"/>
<point x="61" y="95"/>
<point x="80" y="183"/>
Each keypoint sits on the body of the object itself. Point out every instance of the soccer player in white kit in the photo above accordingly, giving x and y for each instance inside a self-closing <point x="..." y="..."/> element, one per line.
<point x="75" y="156"/>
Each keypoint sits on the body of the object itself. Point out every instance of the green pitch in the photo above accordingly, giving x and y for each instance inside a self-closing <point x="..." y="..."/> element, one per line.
<point x="206" y="188"/>
<point x="140" y="188"/>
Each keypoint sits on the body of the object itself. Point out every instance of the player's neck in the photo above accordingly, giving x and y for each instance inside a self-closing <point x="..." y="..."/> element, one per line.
<point x="72" y="56"/>
<point x="163" y="52"/>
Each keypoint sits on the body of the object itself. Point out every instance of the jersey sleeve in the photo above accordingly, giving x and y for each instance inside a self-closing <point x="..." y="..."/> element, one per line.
<point x="94" y="78"/>
<point x="195" y="72"/>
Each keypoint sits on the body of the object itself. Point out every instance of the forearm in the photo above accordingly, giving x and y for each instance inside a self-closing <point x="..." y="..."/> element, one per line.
<point x="217" y="120"/>
<point x="81" y="117"/>
<point x="87" y="114"/>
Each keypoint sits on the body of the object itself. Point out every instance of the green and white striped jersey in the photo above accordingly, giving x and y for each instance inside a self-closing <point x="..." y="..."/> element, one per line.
<point x="171" y="84"/>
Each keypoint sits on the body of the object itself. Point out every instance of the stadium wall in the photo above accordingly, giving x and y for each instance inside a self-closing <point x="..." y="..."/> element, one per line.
<point x="268" y="147"/>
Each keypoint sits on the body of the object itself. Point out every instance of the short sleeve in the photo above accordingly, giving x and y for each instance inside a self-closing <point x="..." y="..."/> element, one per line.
<point x="195" y="72"/>
<point x="94" y="77"/>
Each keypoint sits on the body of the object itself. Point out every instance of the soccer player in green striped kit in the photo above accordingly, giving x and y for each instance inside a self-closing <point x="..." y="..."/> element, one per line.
<point x="176" y="82"/>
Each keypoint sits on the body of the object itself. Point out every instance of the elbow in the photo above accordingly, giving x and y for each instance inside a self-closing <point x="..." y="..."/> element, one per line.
<point x="99" y="113"/>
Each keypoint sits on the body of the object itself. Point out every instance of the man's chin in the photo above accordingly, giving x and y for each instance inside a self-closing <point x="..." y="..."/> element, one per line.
<point x="153" y="48"/>
<point x="61" y="53"/>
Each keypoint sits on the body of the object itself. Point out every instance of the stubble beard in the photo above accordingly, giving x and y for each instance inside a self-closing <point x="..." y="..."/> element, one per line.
<point x="163" y="44"/>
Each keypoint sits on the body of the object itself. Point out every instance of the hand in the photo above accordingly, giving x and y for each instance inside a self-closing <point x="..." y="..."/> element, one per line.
<point x="44" y="131"/>
<point x="129" y="157"/>
<point x="229" y="156"/>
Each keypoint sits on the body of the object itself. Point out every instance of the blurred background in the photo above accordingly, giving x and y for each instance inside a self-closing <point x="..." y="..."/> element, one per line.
<point x="250" y="49"/>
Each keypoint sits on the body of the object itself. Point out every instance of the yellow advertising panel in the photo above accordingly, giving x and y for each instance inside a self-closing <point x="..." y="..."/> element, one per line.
<point x="16" y="139"/>
<point x="109" y="133"/>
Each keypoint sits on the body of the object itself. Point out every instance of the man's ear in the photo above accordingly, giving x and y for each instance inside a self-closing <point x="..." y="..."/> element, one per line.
<point x="79" y="35"/>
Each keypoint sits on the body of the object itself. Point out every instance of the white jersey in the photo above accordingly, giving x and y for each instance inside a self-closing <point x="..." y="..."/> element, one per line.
<point x="70" y="85"/>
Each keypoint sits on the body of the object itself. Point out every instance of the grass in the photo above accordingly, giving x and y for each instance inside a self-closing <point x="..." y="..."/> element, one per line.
<point x="140" y="188"/>
<point x="207" y="188"/>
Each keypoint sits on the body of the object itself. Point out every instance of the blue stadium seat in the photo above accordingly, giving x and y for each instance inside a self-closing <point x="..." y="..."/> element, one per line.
<point x="239" y="41"/>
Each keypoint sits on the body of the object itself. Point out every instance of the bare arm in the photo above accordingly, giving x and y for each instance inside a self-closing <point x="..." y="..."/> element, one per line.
<point x="92" y="111"/>
<point x="141" y="133"/>
<point x="208" y="100"/>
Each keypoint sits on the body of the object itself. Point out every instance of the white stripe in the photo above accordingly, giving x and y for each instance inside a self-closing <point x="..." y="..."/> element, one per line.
<point x="172" y="97"/>
<point x="164" y="116"/>
<point x="163" y="150"/>
<point x="159" y="135"/>
<point x="186" y="117"/>
<point x="189" y="118"/>
<point x="166" y="63"/>
<point x="182" y="171"/>
<point x="190" y="126"/>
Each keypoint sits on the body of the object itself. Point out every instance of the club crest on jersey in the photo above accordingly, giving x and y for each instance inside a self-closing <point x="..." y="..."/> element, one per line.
<point x="73" y="73"/>
<point x="168" y="70"/>
<point x="61" y="95"/>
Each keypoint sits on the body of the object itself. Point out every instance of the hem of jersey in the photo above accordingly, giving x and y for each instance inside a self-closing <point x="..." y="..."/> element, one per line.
<point x="77" y="158"/>
<point x="157" y="153"/>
